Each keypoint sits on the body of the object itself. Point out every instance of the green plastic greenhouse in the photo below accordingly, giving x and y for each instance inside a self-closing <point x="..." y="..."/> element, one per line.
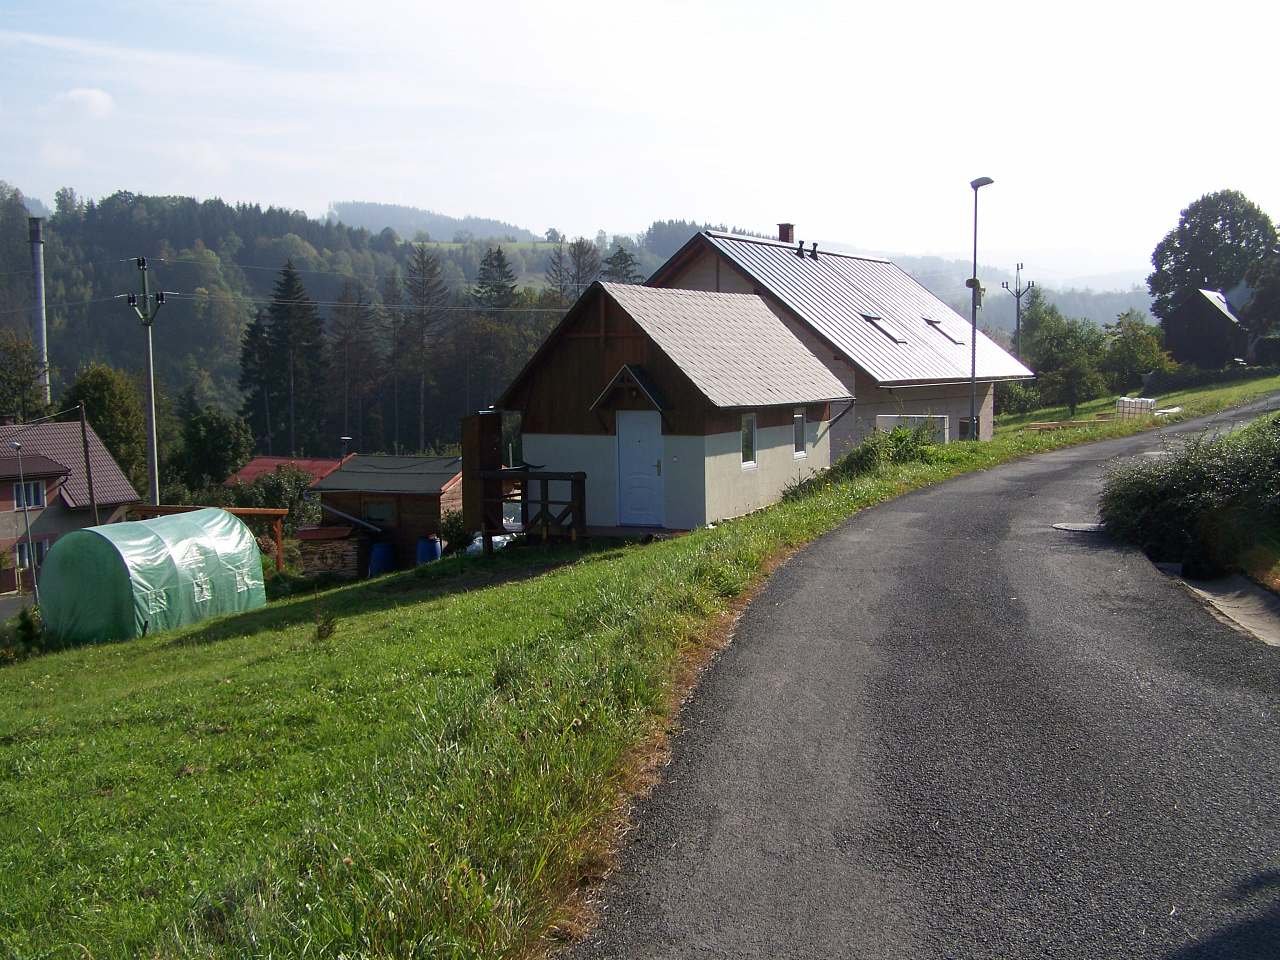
<point x="123" y="580"/>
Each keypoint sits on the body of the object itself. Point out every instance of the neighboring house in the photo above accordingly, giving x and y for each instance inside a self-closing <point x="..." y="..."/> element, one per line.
<point x="895" y="346"/>
<point x="682" y="407"/>
<point x="393" y="499"/>
<point x="318" y="469"/>
<point x="1204" y="330"/>
<point x="55" y="489"/>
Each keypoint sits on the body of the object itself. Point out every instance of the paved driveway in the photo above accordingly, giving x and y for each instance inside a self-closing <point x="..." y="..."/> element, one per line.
<point x="948" y="730"/>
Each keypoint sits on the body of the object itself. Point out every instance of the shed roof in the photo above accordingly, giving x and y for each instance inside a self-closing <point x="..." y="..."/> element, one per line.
<point x="375" y="473"/>
<point x="1219" y="300"/>
<point x="870" y="309"/>
<point x="317" y="467"/>
<point x="61" y="443"/>
<point x="736" y="350"/>
<point x="31" y="467"/>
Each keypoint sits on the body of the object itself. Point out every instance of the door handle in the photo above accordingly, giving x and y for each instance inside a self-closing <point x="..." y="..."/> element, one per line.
<point x="657" y="465"/>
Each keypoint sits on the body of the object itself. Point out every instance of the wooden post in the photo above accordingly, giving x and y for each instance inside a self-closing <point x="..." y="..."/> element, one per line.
<point x="579" y="498"/>
<point x="277" y="527"/>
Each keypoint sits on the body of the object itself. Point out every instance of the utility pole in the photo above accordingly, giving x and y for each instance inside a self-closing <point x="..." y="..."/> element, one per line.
<point x="35" y="227"/>
<point x="1017" y="290"/>
<point x="146" y="311"/>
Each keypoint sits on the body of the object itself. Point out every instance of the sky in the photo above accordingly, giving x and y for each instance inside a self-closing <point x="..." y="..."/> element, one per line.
<point x="861" y="123"/>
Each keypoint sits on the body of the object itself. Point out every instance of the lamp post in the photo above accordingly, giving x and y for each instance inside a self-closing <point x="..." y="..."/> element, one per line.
<point x="26" y="516"/>
<point x="975" y="300"/>
<point x="345" y="441"/>
<point x="1017" y="291"/>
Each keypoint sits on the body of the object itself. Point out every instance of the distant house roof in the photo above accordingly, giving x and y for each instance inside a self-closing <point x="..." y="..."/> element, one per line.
<point x="871" y="310"/>
<point x="31" y="467"/>
<point x="386" y="474"/>
<point x="60" y="442"/>
<point x="1219" y="300"/>
<point x="318" y="468"/>
<point x="731" y="345"/>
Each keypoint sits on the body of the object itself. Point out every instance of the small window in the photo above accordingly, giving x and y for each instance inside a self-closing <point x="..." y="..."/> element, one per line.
<point x="29" y="495"/>
<point x="942" y="328"/>
<point x="380" y="512"/>
<point x="966" y="428"/>
<point x="885" y="327"/>
<point x="23" y="557"/>
<point x="798" y="432"/>
<point x="748" y="439"/>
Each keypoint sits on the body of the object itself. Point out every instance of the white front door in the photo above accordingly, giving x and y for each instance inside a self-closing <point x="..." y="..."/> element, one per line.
<point x="640" y="491"/>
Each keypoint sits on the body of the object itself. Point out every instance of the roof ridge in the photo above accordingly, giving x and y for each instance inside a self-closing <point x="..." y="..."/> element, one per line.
<point x="767" y="241"/>
<point x="673" y="291"/>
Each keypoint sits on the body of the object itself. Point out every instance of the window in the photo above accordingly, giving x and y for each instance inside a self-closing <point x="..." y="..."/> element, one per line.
<point x="965" y="429"/>
<point x="23" y="559"/>
<point x="797" y="429"/>
<point x="941" y="327"/>
<point x="885" y="327"/>
<point x="380" y="512"/>
<point x="29" y="495"/>
<point x="748" y="439"/>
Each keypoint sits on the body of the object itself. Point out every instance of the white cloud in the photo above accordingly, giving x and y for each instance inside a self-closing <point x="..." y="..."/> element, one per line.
<point x="90" y="100"/>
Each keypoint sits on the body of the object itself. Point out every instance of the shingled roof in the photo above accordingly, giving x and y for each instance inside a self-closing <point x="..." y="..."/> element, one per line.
<point x="378" y="473"/>
<point x="731" y="345"/>
<point x="871" y="310"/>
<point x="61" y="443"/>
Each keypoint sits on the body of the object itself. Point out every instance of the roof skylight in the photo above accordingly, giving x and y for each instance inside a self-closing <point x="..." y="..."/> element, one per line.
<point x="885" y="327"/>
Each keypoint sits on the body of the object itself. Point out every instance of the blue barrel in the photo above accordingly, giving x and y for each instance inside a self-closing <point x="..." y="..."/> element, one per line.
<point x="382" y="558"/>
<point x="428" y="549"/>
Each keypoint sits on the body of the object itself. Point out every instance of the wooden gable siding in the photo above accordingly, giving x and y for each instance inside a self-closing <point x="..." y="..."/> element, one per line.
<point x="556" y="394"/>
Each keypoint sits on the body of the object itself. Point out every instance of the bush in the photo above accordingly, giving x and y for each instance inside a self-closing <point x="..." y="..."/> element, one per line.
<point x="1185" y="377"/>
<point x="23" y="636"/>
<point x="1204" y="504"/>
<point x="878" y="450"/>
<point x="453" y="531"/>
<point x="1014" y="398"/>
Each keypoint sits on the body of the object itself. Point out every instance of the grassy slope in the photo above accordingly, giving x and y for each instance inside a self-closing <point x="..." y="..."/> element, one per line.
<point x="426" y="782"/>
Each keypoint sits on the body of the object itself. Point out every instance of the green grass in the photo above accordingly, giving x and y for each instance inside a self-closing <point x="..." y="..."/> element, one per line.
<point x="1195" y="402"/>
<point x="429" y="781"/>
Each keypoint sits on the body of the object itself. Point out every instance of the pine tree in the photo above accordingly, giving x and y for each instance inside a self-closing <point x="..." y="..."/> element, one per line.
<point x="495" y="287"/>
<point x="393" y="326"/>
<point x="557" y="274"/>
<point x="257" y="380"/>
<point x="621" y="267"/>
<point x="355" y="359"/>
<point x="296" y="336"/>
<point x="428" y="295"/>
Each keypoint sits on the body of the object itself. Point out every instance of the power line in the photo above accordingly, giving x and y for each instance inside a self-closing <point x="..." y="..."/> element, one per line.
<point x="67" y="303"/>
<point x="387" y="306"/>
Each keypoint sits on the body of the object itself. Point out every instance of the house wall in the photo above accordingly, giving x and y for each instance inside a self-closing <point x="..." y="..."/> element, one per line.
<point x="595" y="455"/>
<point x="416" y="515"/>
<point x="733" y="489"/>
<point x="1198" y="333"/>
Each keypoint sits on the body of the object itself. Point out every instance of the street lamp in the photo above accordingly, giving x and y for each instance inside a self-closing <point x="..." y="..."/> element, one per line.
<point x="975" y="300"/>
<point x="345" y="441"/>
<point x="26" y="516"/>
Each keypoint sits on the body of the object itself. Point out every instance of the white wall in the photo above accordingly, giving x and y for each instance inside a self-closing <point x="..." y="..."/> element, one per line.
<point x="596" y="456"/>
<point x="733" y="489"/>
<point x="951" y="401"/>
<point x="684" y="481"/>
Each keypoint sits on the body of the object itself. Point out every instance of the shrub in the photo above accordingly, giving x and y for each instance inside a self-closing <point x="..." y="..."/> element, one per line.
<point x="1185" y="377"/>
<point x="1204" y="504"/>
<point x="453" y="531"/>
<point x="1015" y="398"/>
<point x="878" y="450"/>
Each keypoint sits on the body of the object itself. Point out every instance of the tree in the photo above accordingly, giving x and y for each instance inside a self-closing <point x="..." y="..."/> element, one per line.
<point x="1067" y="355"/>
<point x="554" y="236"/>
<point x="354" y="352"/>
<point x="621" y="267"/>
<point x="558" y="277"/>
<point x="113" y="406"/>
<point x="428" y="297"/>
<point x="495" y="283"/>
<point x="1217" y="240"/>
<point x="393" y="326"/>
<point x="258" y="379"/>
<point x="215" y="445"/>
<point x="1133" y="349"/>
<point x="584" y="265"/>
<point x="296" y="337"/>
<point x="20" y="388"/>
<point x="1262" y="313"/>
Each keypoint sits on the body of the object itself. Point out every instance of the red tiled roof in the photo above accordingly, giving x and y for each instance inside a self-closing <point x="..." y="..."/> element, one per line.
<point x="255" y="468"/>
<point x="61" y="443"/>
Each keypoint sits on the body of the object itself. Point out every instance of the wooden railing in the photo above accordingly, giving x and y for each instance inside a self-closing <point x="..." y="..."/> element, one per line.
<point x="540" y="514"/>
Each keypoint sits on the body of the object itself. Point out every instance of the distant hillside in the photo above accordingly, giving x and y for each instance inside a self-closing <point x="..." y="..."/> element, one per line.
<point x="408" y="222"/>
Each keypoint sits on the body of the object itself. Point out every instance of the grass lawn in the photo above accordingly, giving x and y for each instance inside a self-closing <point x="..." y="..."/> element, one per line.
<point x="431" y="780"/>
<point x="1194" y="401"/>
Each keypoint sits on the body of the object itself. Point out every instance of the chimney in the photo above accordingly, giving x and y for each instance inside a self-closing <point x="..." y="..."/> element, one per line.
<point x="787" y="232"/>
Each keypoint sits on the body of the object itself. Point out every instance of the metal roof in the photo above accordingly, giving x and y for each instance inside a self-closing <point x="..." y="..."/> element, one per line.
<point x="736" y="350"/>
<point x="385" y="474"/>
<point x="1220" y="301"/>
<point x="61" y="443"/>
<point x="872" y="310"/>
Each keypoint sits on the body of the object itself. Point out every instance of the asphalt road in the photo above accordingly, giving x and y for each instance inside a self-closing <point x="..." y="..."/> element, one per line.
<point x="949" y="730"/>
